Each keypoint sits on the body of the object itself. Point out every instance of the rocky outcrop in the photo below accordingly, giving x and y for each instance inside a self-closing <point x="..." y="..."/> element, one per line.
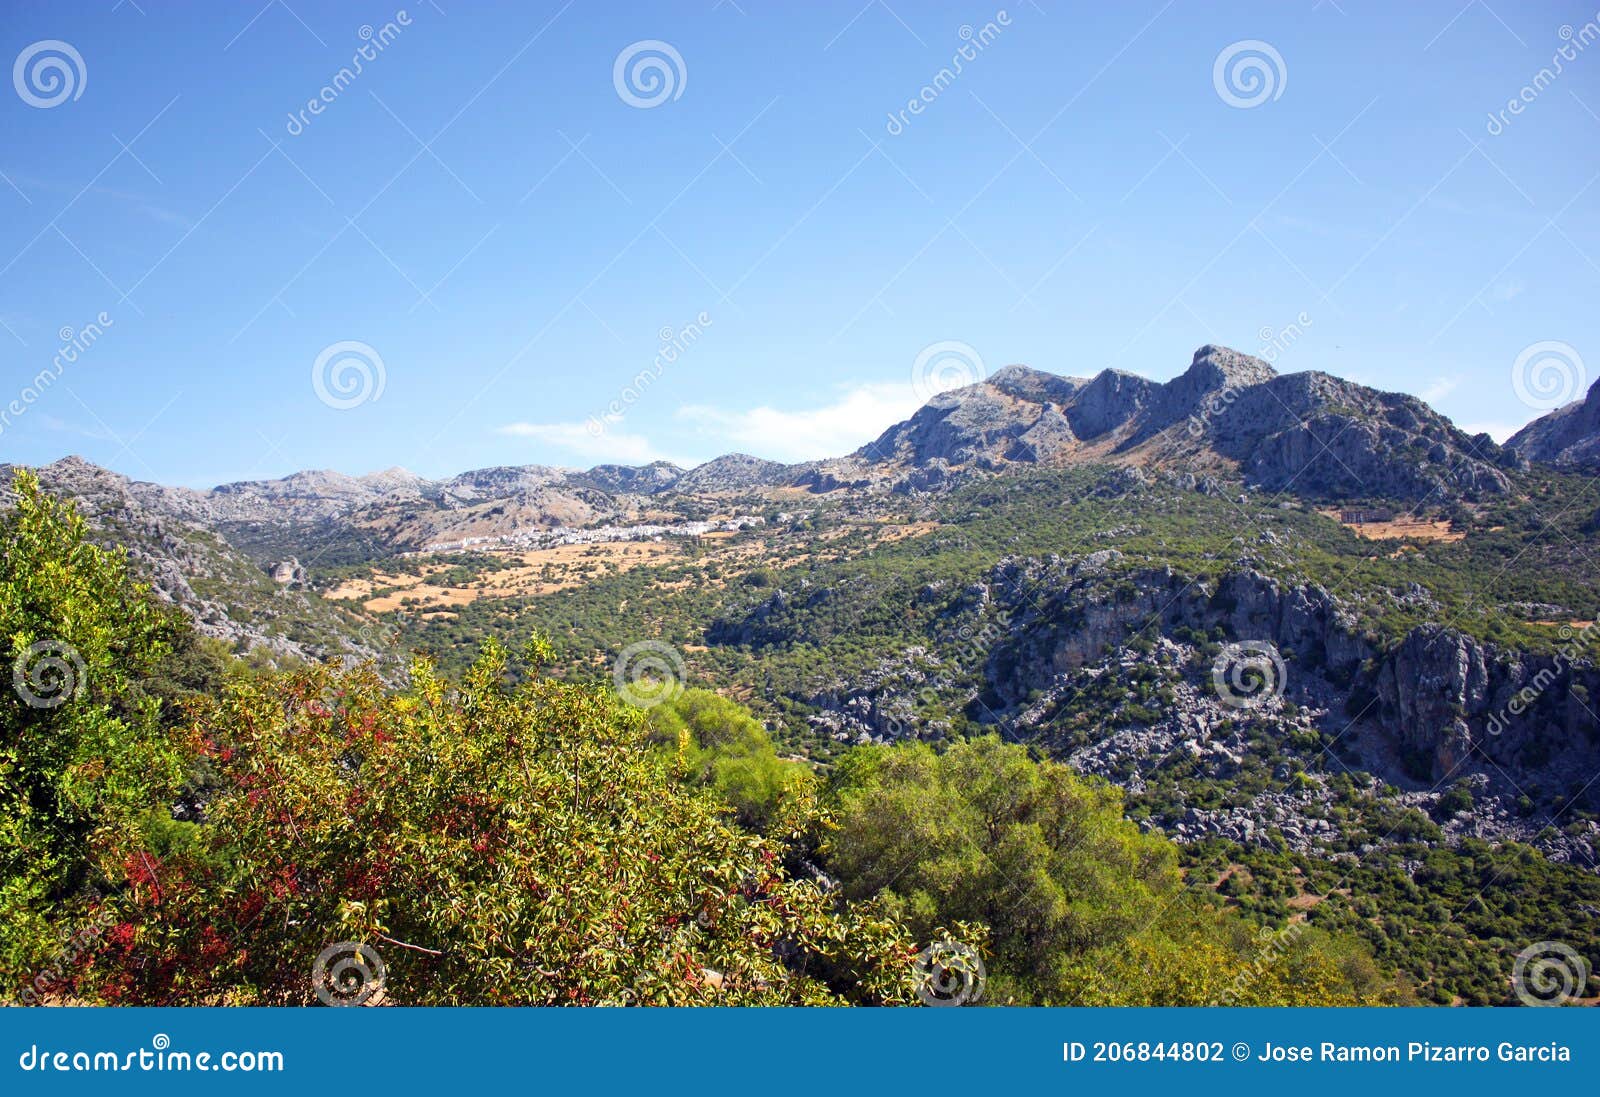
<point x="1319" y="436"/>
<point x="1460" y="702"/>
<point x="628" y="479"/>
<point x="1568" y="437"/>
<point x="734" y="472"/>
<point x="167" y="536"/>
<point x="1448" y="705"/>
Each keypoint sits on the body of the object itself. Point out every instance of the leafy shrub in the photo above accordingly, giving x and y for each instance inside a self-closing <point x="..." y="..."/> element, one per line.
<point x="720" y="746"/>
<point x="496" y="845"/>
<point x="1081" y="907"/>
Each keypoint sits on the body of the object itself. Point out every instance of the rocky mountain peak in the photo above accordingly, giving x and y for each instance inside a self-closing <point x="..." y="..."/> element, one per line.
<point x="1568" y="436"/>
<point x="1217" y="367"/>
<point x="1034" y="385"/>
<point x="733" y="472"/>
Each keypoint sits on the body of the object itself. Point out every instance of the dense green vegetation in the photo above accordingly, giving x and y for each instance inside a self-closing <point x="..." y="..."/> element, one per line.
<point x="1082" y="907"/>
<point x="720" y="746"/>
<point x="514" y="838"/>
<point x="819" y="602"/>
<point x="509" y="831"/>
<point x="87" y="751"/>
<point x="1454" y="918"/>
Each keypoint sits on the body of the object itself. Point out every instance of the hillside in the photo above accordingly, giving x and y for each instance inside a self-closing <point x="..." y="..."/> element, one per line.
<point x="1228" y="413"/>
<point x="1568" y="436"/>
<point x="1315" y="634"/>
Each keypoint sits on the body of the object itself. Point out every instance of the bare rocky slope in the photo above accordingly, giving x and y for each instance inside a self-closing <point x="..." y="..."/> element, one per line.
<point x="1322" y="437"/>
<point x="1568" y="437"/>
<point x="171" y="538"/>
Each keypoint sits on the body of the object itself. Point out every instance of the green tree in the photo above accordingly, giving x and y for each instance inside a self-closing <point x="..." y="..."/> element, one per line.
<point x="1081" y="907"/>
<point x="721" y="746"/>
<point x="83" y="752"/>
<point x="495" y="845"/>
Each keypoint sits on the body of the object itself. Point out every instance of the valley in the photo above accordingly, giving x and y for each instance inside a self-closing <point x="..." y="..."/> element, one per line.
<point x="1338" y="651"/>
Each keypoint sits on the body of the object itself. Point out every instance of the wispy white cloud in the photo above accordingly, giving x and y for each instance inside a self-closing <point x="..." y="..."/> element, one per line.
<point x="1438" y="389"/>
<point x="854" y="418"/>
<point x="62" y="426"/>
<point x="606" y="445"/>
<point x="136" y="201"/>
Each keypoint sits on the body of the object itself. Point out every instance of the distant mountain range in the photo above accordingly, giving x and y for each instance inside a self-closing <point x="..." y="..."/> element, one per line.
<point x="1229" y="416"/>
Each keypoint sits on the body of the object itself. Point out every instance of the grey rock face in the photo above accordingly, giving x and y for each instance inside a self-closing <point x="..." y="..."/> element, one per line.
<point x="733" y="472"/>
<point x="1312" y="433"/>
<point x="1567" y="437"/>
<point x="171" y="545"/>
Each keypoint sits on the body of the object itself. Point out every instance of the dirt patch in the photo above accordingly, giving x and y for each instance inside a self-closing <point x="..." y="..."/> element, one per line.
<point x="539" y="571"/>
<point x="1401" y="528"/>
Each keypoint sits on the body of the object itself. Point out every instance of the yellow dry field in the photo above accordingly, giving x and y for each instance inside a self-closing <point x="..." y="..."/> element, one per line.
<point x="545" y="571"/>
<point x="541" y="571"/>
<point x="1403" y="528"/>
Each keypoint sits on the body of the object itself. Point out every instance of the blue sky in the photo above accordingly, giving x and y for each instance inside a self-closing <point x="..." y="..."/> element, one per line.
<point x="482" y="208"/>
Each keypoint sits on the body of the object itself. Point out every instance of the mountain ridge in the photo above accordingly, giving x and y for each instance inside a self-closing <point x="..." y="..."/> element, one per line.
<point x="1228" y="410"/>
<point x="1567" y="437"/>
